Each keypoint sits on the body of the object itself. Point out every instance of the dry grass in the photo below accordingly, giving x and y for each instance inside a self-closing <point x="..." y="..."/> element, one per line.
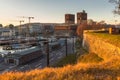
<point x="110" y="38"/>
<point x="108" y="70"/>
<point x="100" y="70"/>
<point x="90" y="58"/>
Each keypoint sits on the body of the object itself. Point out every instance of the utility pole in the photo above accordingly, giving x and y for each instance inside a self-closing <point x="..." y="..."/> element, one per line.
<point x="66" y="45"/>
<point x="47" y="51"/>
<point x="73" y="44"/>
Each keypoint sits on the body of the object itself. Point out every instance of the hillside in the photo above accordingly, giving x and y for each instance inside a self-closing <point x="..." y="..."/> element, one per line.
<point x="110" y="38"/>
<point x="106" y="71"/>
<point x="89" y="66"/>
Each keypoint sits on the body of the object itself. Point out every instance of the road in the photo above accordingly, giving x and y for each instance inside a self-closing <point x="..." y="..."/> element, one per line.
<point x="41" y="62"/>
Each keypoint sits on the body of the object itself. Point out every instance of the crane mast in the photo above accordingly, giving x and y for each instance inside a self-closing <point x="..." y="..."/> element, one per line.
<point x="20" y="29"/>
<point x="28" y="30"/>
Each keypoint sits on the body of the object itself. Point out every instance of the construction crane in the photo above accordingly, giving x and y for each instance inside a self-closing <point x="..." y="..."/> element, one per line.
<point x="19" y="28"/>
<point x="28" y="30"/>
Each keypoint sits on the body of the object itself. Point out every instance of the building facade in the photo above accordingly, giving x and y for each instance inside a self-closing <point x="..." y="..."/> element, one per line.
<point x="65" y="30"/>
<point x="36" y="28"/>
<point x="69" y="18"/>
<point x="7" y="32"/>
<point x="114" y="30"/>
<point x="81" y="17"/>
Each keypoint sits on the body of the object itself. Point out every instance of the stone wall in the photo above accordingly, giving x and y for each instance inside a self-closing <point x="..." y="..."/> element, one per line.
<point x="97" y="45"/>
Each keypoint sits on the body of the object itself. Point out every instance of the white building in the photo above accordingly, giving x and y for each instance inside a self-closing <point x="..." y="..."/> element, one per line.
<point x="37" y="27"/>
<point x="7" y="32"/>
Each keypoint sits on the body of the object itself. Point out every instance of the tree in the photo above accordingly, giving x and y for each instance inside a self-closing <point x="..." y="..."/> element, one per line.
<point x="11" y="26"/>
<point x="113" y="1"/>
<point x="1" y="25"/>
<point x="102" y="22"/>
<point x="117" y="7"/>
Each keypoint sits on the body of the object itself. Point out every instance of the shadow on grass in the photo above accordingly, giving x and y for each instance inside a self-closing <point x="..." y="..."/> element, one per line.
<point x="93" y="74"/>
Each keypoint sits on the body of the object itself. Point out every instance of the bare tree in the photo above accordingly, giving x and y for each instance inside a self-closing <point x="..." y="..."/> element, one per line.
<point x="113" y="1"/>
<point x="117" y="6"/>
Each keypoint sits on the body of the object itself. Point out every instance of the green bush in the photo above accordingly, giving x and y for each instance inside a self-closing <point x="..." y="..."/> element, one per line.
<point x="70" y="59"/>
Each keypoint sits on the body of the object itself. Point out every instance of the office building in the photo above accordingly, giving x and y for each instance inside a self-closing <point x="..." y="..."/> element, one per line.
<point x="69" y="18"/>
<point x="81" y="17"/>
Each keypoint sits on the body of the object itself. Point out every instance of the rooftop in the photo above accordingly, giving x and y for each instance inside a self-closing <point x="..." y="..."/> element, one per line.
<point x="18" y="54"/>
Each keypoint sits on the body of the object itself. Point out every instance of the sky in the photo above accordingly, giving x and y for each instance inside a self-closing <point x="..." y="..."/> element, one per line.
<point x="53" y="11"/>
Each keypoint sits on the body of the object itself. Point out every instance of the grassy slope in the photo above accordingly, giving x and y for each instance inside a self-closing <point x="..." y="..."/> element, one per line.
<point x="113" y="39"/>
<point x="103" y="71"/>
<point x="90" y="58"/>
<point x="89" y="67"/>
<point x="79" y="71"/>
